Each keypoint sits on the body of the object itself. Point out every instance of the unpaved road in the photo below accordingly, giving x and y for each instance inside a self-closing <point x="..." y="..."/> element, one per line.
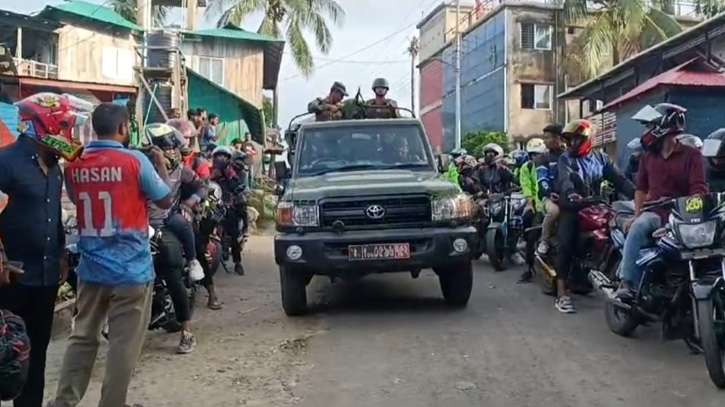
<point x="389" y="341"/>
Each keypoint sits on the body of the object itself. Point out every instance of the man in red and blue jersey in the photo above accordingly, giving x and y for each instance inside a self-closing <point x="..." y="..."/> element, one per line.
<point x="111" y="186"/>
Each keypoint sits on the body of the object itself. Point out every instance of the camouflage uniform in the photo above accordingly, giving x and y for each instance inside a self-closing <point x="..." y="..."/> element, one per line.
<point x="385" y="109"/>
<point x="321" y="108"/>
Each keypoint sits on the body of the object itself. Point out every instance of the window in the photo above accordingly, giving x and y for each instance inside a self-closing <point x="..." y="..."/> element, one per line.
<point x="535" y="36"/>
<point x="212" y="69"/>
<point x="536" y="97"/>
<point x="117" y="63"/>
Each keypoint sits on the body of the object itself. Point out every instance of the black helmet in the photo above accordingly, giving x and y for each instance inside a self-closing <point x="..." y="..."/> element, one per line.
<point x="714" y="149"/>
<point x="381" y="83"/>
<point x="661" y="120"/>
<point x="168" y="139"/>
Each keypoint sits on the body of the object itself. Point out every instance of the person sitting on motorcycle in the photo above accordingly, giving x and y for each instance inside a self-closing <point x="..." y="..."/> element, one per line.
<point x="232" y="182"/>
<point x="633" y="163"/>
<point x="452" y="174"/>
<point x="580" y="171"/>
<point x="519" y="157"/>
<point x="190" y="158"/>
<point x="714" y="152"/>
<point x="380" y="106"/>
<point x="187" y="191"/>
<point x="468" y="178"/>
<point x="493" y="175"/>
<point x="546" y="174"/>
<point x="668" y="169"/>
<point x="528" y="180"/>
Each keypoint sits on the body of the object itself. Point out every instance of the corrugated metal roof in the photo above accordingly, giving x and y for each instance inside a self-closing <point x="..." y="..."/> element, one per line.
<point x="92" y="11"/>
<point x="233" y="32"/>
<point x="682" y="75"/>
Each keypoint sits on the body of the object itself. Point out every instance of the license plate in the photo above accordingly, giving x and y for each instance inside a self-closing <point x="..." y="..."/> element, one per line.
<point x="385" y="251"/>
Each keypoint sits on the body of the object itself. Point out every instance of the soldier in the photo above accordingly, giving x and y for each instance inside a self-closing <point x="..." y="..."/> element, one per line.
<point x="381" y="107"/>
<point x="329" y="108"/>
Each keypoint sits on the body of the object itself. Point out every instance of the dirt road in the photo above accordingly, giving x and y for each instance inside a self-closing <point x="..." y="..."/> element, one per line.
<point x="389" y="341"/>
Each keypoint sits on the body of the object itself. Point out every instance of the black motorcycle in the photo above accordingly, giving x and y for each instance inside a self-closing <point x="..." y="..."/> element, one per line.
<point x="505" y="212"/>
<point x="683" y="285"/>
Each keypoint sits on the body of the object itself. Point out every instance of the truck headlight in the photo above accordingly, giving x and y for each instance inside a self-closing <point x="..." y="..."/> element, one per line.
<point x="289" y="214"/>
<point x="451" y="207"/>
<point x="699" y="235"/>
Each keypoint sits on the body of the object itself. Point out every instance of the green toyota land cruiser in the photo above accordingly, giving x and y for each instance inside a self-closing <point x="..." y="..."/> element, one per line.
<point x="365" y="196"/>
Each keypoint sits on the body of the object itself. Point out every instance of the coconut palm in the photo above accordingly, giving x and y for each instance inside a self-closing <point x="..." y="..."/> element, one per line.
<point x="127" y="9"/>
<point x="614" y="31"/>
<point x="288" y="19"/>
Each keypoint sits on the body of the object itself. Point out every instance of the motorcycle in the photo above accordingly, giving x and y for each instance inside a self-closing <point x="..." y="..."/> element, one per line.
<point x="683" y="284"/>
<point x="505" y="212"/>
<point x="594" y="251"/>
<point x="480" y="222"/>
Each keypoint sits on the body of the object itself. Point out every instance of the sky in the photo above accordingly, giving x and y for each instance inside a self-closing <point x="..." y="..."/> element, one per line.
<point x="370" y="43"/>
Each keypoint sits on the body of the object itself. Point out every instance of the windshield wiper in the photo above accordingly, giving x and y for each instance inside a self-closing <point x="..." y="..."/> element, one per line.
<point x="345" y="169"/>
<point x="407" y="165"/>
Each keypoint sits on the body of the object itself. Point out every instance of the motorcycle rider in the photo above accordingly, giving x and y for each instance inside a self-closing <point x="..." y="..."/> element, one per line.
<point x="468" y="178"/>
<point x="580" y="171"/>
<point x="452" y="174"/>
<point x="519" y="157"/>
<point x="714" y="151"/>
<point x="381" y="107"/>
<point x="187" y="191"/>
<point x="494" y="176"/>
<point x="329" y="107"/>
<point x="232" y="182"/>
<point x="668" y="169"/>
<point x="528" y="180"/>
<point x="546" y="174"/>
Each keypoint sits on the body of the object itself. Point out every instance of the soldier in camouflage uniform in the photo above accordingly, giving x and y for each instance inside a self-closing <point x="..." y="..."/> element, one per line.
<point x="381" y="107"/>
<point x="329" y="107"/>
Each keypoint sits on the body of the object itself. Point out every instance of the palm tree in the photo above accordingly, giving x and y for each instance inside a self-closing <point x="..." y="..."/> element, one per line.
<point x="294" y="17"/>
<point x="615" y="30"/>
<point x="127" y="9"/>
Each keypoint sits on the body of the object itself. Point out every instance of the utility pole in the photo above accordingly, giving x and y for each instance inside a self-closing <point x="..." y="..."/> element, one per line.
<point x="413" y="49"/>
<point x="457" y="71"/>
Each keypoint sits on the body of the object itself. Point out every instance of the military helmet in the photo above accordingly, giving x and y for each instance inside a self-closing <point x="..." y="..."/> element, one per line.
<point x="381" y="83"/>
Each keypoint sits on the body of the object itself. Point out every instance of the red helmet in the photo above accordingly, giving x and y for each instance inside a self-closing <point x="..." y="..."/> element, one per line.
<point x="50" y="119"/>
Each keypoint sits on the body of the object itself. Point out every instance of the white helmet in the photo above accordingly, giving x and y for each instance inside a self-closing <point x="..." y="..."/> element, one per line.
<point x="690" y="140"/>
<point x="535" y="146"/>
<point x="635" y="144"/>
<point x="222" y="150"/>
<point x="493" y="147"/>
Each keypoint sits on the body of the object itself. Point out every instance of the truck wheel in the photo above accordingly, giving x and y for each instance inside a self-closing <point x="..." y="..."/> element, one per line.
<point x="294" y="291"/>
<point x="456" y="284"/>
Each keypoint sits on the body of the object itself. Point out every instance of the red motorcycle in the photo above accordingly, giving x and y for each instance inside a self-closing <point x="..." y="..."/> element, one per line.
<point x="593" y="251"/>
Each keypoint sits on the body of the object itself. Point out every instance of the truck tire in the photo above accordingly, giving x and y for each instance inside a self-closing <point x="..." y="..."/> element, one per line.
<point x="456" y="284"/>
<point x="294" y="291"/>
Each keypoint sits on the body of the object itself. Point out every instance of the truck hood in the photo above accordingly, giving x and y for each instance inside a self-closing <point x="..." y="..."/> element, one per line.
<point x="366" y="183"/>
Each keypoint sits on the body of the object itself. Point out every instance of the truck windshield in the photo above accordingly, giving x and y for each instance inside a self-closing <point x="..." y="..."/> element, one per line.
<point x="350" y="148"/>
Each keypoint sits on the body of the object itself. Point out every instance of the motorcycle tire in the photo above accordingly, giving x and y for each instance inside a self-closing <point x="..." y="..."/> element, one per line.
<point x="622" y="322"/>
<point x="496" y="249"/>
<point x="713" y="349"/>
<point x="214" y="254"/>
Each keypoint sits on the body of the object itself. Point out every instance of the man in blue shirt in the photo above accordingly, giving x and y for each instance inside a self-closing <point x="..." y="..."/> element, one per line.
<point x="31" y="227"/>
<point x="110" y="186"/>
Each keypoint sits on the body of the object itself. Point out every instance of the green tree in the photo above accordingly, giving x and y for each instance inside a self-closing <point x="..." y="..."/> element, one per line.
<point x="268" y="110"/>
<point x="616" y="30"/>
<point x="127" y="9"/>
<point x="288" y="19"/>
<point x="474" y="142"/>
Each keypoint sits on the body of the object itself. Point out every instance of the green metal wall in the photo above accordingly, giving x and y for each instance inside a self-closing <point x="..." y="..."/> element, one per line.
<point x="202" y="94"/>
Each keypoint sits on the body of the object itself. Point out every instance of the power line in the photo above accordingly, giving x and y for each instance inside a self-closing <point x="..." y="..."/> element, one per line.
<point x="342" y="59"/>
<point x="399" y="61"/>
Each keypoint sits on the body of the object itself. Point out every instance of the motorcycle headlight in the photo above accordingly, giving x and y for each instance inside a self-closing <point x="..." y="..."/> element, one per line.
<point x="289" y="214"/>
<point x="698" y="235"/>
<point x="451" y="208"/>
<point x="495" y="208"/>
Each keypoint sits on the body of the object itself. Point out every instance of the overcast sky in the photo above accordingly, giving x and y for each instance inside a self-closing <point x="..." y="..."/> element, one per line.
<point x="367" y="22"/>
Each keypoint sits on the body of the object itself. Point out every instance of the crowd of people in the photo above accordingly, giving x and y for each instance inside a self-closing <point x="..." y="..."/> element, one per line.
<point x="558" y="172"/>
<point x="123" y="196"/>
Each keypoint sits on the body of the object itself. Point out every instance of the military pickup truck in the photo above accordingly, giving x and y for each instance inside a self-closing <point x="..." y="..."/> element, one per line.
<point x="366" y="196"/>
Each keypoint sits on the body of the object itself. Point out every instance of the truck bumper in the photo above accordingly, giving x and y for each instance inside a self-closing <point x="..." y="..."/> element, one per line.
<point x="327" y="252"/>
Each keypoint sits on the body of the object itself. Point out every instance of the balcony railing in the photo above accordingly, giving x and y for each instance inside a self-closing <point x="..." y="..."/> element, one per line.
<point x="36" y="69"/>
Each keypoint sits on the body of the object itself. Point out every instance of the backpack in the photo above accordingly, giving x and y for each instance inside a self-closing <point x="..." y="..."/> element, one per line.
<point x="14" y="355"/>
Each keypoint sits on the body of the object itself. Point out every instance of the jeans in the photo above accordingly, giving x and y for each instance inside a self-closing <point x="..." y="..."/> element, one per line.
<point x="170" y="267"/>
<point x="182" y="228"/>
<point x="231" y="229"/>
<point x="35" y="305"/>
<point x="128" y="309"/>
<point x="551" y="214"/>
<point x="568" y="234"/>
<point x="641" y="231"/>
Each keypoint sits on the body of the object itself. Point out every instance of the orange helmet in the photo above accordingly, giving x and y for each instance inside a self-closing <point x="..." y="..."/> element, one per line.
<point x="578" y="136"/>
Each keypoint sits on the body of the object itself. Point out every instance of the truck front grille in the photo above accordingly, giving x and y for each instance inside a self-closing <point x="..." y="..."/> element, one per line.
<point x="400" y="211"/>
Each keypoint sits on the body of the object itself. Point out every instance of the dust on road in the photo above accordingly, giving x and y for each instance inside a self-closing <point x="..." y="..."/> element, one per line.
<point x="390" y="341"/>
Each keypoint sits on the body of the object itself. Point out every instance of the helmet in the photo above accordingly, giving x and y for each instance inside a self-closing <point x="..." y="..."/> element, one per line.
<point x="15" y="349"/>
<point x="166" y="138"/>
<point x="239" y="159"/>
<point x="690" y="140"/>
<point x="188" y="132"/>
<point x="381" y="83"/>
<point x="519" y="157"/>
<point x="535" y="146"/>
<point x="662" y="120"/>
<point x="50" y="119"/>
<point x="714" y="149"/>
<point x="470" y="161"/>
<point x="458" y="152"/>
<point x="494" y="148"/>
<point x="635" y="145"/>
<point x="578" y="136"/>
<point x="222" y="150"/>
